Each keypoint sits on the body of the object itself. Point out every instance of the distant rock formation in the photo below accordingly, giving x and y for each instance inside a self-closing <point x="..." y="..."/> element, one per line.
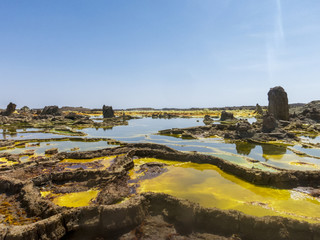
<point x="51" y="110"/>
<point x="278" y="103"/>
<point x="312" y="113"/>
<point x="10" y="109"/>
<point x="107" y="112"/>
<point x="25" y="109"/>
<point x="258" y="109"/>
<point x="226" y="115"/>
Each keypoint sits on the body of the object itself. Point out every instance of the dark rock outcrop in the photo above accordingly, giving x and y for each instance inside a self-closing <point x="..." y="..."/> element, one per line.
<point x="207" y="120"/>
<point x="258" y="109"/>
<point x="107" y="111"/>
<point x="226" y="115"/>
<point x="312" y="113"/>
<point x="269" y="123"/>
<point x="278" y="103"/>
<point x="74" y="116"/>
<point x="244" y="129"/>
<point x="51" y="151"/>
<point x="10" y="109"/>
<point x="24" y="109"/>
<point x="51" y="110"/>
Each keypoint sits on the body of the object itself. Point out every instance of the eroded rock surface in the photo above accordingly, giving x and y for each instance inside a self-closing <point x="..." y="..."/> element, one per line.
<point x="117" y="214"/>
<point x="226" y="115"/>
<point x="207" y="120"/>
<point x="51" y="110"/>
<point x="10" y="109"/>
<point x="258" y="109"/>
<point x="107" y="111"/>
<point x="278" y="103"/>
<point x="269" y="123"/>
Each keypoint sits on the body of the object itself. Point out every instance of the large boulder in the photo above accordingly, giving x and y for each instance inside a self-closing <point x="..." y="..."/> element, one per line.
<point x="10" y="109"/>
<point x="244" y="129"/>
<point x="226" y="115"/>
<point x="107" y="111"/>
<point x="278" y="103"/>
<point x="269" y="123"/>
<point x="51" y="110"/>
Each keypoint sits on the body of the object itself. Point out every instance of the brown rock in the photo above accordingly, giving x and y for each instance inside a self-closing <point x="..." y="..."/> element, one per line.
<point x="51" y="151"/>
<point x="244" y="129"/>
<point x="226" y="115"/>
<point x="258" y="109"/>
<point x="278" y="103"/>
<point x="107" y="111"/>
<point x="269" y="123"/>
<point x="51" y="110"/>
<point x="10" y="109"/>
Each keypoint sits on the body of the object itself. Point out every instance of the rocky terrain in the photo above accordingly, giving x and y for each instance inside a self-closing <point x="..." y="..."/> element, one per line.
<point x="119" y="213"/>
<point x="51" y="119"/>
<point x="109" y="205"/>
<point x="272" y="125"/>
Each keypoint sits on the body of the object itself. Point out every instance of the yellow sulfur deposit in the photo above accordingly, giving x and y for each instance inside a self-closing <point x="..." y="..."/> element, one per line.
<point x="4" y="162"/>
<point x="210" y="187"/>
<point x="76" y="199"/>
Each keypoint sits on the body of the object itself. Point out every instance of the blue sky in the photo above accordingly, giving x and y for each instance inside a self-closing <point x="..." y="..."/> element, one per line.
<point x="157" y="53"/>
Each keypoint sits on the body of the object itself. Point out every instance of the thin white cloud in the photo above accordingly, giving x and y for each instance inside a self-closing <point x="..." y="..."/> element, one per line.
<point x="279" y="33"/>
<point x="275" y="43"/>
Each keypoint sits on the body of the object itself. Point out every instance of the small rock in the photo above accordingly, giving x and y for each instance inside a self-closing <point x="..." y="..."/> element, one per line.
<point x="51" y="151"/>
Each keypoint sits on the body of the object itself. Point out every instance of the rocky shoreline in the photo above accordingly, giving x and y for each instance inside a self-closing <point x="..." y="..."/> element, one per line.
<point x="112" y="208"/>
<point x="118" y="215"/>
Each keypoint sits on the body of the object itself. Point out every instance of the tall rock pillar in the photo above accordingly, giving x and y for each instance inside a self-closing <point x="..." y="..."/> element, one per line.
<point x="278" y="103"/>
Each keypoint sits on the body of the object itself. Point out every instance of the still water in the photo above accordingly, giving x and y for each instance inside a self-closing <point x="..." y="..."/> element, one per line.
<point x="201" y="183"/>
<point x="146" y="129"/>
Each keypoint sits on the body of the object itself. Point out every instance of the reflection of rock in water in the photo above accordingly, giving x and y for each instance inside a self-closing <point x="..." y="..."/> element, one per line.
<point x="268" y="149"/>
<point x="12" y="132"/>
<point x="244" y="147"/>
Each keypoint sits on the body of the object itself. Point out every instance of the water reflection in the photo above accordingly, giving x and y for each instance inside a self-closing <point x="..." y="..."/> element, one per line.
<point x="276" y="152"/>
<point x="244" y="148"/>
<point x="146" y="129"/>
<point x="12" y="132"/>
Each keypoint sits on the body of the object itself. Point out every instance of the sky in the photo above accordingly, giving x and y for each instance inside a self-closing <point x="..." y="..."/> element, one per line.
<point x="157" y="53"/>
